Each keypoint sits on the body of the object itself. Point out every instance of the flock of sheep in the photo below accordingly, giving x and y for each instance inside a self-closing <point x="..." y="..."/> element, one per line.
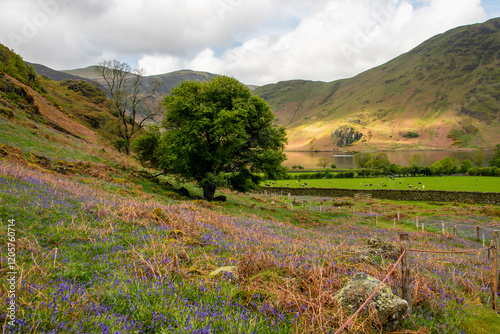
<point x="366" y="185"/>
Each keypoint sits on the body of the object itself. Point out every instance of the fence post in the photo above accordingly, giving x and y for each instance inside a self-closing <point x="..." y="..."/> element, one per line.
<point x="495" y="270"/>
<point x="442" y="227"/>
<point x="417" y="222"/>
<point x="398" y="218"/>
<point x="477" y="233"/>
<point x="455" y="231"/>
<point x="405" y="270"/>
<point x="394" y="223"/>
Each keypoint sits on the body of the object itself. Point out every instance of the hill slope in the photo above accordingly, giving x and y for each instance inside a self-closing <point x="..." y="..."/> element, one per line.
<point x="167" y="80"/>
<point x="53" y="74"/>
<point x="446" y="91"/>
<point x="43" y="117"/>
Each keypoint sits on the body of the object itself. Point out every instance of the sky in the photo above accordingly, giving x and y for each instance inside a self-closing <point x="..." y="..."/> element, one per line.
<point x="255" y="41"/>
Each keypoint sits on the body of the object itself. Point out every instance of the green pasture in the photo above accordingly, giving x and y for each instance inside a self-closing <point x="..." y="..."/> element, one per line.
<point x="447" y="183"/>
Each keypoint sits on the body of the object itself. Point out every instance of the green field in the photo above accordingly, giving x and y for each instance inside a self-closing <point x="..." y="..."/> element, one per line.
<point x="448" y="183"/>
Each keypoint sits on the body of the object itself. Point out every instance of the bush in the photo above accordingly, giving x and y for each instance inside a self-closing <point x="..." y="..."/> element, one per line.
<point x="345" y="175"/>
<point x="120" y="144"/>
<point x="410" y="134"/>
<point x="298" y="167"/>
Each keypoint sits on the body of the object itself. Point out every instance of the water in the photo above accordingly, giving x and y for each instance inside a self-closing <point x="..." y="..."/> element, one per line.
<point x="345" y="160"/>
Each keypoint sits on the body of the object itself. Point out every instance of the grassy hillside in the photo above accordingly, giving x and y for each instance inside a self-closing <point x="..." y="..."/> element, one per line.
<point x="168" y="80"/>
<point x="102" y="247"/>
<point x="53" y="74"/>
<point x="446" y="91"/>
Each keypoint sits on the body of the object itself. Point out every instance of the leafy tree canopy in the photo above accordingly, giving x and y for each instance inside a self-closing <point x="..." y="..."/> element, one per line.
<point x="445" y="166"/>
<point x="218" y="133"/>
<point x="495" y="161"/>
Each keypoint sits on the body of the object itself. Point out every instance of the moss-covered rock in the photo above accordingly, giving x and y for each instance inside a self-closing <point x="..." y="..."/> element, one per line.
<point x="231" y="272"/>
<point x="390" y="308"/>
<point x="159" y="214"/>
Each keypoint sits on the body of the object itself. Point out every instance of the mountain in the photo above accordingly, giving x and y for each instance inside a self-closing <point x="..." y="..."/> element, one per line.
<point x="168" y="80"/>
<point x="53" y="74"/>
<point x="442" y="94"/>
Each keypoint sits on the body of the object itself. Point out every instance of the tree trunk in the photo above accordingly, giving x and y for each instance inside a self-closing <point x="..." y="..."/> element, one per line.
<point x="209" y="191"/>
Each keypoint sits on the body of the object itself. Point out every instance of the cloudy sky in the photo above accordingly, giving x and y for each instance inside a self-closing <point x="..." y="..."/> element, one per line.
<point x="255" y="41"/>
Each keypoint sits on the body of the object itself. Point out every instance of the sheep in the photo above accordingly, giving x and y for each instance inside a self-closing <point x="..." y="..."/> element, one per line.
<point x="423" y="187"/>
<point x="410" y="186"/>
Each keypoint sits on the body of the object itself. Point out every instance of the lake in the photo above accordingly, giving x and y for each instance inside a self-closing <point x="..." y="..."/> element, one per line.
<point x="345" y="160"/>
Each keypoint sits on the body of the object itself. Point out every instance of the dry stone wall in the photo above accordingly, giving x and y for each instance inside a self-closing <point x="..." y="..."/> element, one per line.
<point x="401" y="195"/>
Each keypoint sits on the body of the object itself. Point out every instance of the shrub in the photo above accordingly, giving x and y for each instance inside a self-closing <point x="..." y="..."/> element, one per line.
<point x="410" y="134"/>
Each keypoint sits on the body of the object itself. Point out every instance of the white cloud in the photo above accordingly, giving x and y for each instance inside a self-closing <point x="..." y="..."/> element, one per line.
<point x="259" y="41"/>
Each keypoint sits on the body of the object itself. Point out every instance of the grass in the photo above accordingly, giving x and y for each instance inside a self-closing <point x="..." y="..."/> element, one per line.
<point x="447" y="183"/>
<point x="93" y="259"/>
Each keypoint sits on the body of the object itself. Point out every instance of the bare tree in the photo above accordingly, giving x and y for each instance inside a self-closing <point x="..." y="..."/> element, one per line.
<point x="124" y="88"/>
<point x="323" y="162"/>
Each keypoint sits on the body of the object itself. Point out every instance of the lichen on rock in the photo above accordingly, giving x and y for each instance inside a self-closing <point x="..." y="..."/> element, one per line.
<point x="390" y="308"/>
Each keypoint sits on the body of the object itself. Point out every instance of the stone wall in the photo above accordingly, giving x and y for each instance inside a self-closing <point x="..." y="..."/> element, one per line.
<point x="401" y="195"/>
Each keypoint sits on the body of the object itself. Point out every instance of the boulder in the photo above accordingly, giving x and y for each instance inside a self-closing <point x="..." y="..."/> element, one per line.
<point x="221" y="199"/>
<point x="377" y="246"/>
<point x="184" y="192"/>
<point x="390" y="308"/>
<point x="231" y="272"/>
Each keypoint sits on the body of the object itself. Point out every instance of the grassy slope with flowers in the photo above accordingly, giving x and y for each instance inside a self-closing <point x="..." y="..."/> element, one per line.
<point x="103" y="255"/>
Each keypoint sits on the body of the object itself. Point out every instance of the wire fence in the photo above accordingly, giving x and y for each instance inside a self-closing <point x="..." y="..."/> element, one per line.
<point x="406" y="253"/>
<point x="465" y="230"/>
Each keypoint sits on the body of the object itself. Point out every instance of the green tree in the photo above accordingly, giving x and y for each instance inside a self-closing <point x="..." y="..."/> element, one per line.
<point x="445" y="166"/>
<point x="479" y="158"/>
<point x="362" y="159"/>
<point x="465" y="166"/>
<point x="323" y="162"/>
<point x="380" y="161"/>
<point x="218" y="133"/>
<point x="417" y="160"/>
<point x="146" y="144"/>
<point x="495" y="161"/>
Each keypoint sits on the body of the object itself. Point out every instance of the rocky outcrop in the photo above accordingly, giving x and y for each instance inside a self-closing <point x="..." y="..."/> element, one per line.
<point x="346" y="136"/>
<point x="389" y="307"/>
